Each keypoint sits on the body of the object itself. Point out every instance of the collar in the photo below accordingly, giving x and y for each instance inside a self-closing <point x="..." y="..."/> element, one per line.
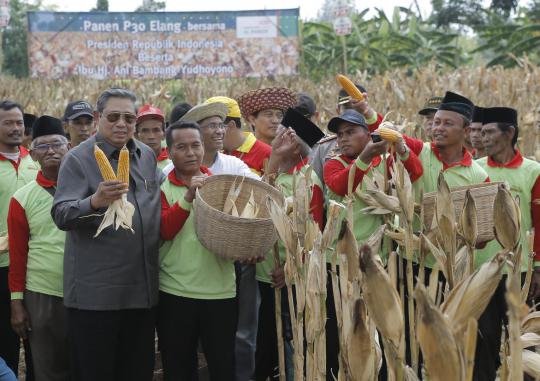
<point x="22" y="153"/>
<point x="248" y="144"/>
<point x="111" y="150"/>
<point x="515" y="162"/>
<point x="298" y="166"/>
<point x="164" y="155"/>
<point x="179" y="183"/>
<point x="44" y="182"/>
<point x="374" y="163"/>
<point x="466" y="161"/>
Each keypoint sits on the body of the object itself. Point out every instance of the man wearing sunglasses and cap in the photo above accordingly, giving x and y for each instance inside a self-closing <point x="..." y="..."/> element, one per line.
<point x="327" y="147"/>
<point x="150" y="129"/>
<point x="110" y="281"/>
<point x="79" y="122"/>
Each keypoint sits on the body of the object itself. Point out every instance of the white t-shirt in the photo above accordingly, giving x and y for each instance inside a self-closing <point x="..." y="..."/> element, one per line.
<point x="11" y="156"/>
<point x="224" y="165"/>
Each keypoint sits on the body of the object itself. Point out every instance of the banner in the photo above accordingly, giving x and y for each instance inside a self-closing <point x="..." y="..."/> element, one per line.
<point x="104" y="45"/>
<point x="4" y="13"/>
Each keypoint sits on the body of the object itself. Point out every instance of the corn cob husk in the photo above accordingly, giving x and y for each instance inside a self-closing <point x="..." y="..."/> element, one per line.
<point x="251" y="210"/>
<point x="468" y="227"/>
<point x="528" y="276"/>
<point x="381" y="298"/>
<point x="507" y="219"/>
<point x="349" y="87"/>
<point x="361" y="356"/>
<point x="469" y="298"/>
<point x="531" y="363"/>
<point x="529" y="340"/>
<point x="122" y="173"/>
<point x="442" y="357"/>
<point x="446" y="222"/>
<point x="104" y="165"/>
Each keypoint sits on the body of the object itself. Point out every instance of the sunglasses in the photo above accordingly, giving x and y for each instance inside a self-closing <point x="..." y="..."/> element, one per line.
<point x="114" y="117"/>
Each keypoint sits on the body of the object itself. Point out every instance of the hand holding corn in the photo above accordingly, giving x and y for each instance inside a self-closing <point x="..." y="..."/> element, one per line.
<point x="112" y="193"/>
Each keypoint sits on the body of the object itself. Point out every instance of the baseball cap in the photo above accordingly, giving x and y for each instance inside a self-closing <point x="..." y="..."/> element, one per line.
<point x="351" y="116"/>
<point x="149" y="112"/>
<point x="78" y="108"/>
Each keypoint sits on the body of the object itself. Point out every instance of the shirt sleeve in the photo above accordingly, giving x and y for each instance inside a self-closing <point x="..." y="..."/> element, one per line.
<point x="243" y="170"/>
<point x="412" y="164"/>
<point x="373" y="126"/>
<point x="535" y="214"/>
<point x="336" y="177"/>
<point x="317" y="205"/>
<point x="19" y="234"/>
<point x="415" y="145"/>
<point x="173" y="217"/>
<point x="71" y="206"/>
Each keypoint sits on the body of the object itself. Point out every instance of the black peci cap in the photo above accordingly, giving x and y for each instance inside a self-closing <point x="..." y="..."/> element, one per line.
<point x="500" y="115"/>
<point x="47" y="125"/>
<point x="457" y="103"/>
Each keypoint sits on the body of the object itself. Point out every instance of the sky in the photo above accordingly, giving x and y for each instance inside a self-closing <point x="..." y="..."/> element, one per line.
<point x="308" y="8"/>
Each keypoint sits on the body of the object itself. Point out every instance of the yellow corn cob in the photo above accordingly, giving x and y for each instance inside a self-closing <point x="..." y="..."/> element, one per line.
<point x="349" y="87"/>
<point x="123" y="166"/>
<point x="103" y="163"/>
<point x="389" y="135"/>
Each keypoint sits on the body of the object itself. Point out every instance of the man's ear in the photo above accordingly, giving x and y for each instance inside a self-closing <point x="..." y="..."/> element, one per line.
<point x="511" y="132"/>
<point x="33" y="155"/>
<point x="65" y="125"/>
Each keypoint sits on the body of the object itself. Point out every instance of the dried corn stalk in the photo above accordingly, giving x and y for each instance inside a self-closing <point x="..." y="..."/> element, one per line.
<point x="120" y="212"/>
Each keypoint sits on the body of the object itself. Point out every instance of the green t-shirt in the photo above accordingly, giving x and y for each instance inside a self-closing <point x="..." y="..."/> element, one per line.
<point x="44" y="269"/>
<point x="521" y="179"/>
<point x="187" y="268"/>
<point x="11" y="180"/>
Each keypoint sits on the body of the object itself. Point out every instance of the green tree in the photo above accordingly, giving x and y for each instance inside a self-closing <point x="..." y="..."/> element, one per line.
<point x="101" y="5"/>
<point x="15" y="59"/>
<point x="151" y="6"/>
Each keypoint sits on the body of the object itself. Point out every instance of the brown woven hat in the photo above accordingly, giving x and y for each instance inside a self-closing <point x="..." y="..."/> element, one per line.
<point x="262" y="99"/>
<point x="205" y="110"/>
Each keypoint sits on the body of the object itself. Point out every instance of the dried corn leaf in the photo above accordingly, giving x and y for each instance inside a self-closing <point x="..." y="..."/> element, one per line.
<point x="531" y="323"/>
<point x="469" y="298"/>
<point x="232" y="196"/>
<point x="442" y="357"/>
<point x="283" y="225"/>
<point x="530" y="340"/>
<point x="251" y="210"/>
<point x="348" y="246"/>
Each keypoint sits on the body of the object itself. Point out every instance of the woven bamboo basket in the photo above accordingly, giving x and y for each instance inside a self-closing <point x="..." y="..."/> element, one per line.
<point x="234" y="237"/>
<point x="484" y="197"/>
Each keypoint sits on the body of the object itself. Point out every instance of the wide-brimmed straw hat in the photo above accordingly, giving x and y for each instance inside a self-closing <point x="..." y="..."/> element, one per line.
<point x="279" y="98"/>
<point x="206" y="110"/>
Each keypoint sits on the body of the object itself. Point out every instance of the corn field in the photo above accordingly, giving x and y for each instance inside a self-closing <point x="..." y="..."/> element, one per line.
<point x="369" y="295"/>
<point x="401" y="91"/>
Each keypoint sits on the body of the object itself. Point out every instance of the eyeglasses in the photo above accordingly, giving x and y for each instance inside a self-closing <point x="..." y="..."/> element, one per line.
<point x="45" y="147"/>
<point x="114" y="117"/>
<point x="215" y="126"/>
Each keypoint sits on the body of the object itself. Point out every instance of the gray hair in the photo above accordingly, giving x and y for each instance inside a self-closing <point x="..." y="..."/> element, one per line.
<point x="115" y="92"/>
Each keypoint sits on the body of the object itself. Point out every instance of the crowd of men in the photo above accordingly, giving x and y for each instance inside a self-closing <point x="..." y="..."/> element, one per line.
<point x="88" y="308"/>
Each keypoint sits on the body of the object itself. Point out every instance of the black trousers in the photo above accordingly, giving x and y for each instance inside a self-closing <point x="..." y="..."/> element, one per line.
<point x="9" y="341"/>
<point x="332" y="334"/>
<point x="266" y="353"/>
<point x="112" y="345"/>
<point x="182" y="322"/>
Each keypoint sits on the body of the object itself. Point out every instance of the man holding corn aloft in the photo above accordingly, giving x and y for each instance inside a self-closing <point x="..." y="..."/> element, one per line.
<point x="110" y="281"/>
